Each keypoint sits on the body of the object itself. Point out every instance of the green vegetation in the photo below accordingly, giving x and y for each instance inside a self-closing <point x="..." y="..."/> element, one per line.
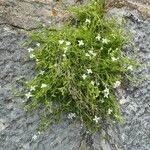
<point x="80" y="67"/>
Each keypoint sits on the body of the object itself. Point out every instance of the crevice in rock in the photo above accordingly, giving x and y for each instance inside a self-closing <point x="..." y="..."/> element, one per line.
<point x="20" y="27"/>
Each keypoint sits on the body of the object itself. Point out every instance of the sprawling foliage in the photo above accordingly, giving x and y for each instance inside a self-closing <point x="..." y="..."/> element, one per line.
<point x="80" y="67"/>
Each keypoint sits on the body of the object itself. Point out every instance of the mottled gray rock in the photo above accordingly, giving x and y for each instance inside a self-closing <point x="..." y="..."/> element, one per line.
<point x="136" y="131"/>
<point x="18" y="130"/>
<point x="30" y="14"/>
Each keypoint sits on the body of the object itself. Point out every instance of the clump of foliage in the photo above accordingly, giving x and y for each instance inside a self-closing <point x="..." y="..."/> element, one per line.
<point x="80" y="67"/>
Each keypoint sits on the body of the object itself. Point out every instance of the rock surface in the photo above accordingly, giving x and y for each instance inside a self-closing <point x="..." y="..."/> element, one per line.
<point x="18" y="130"/>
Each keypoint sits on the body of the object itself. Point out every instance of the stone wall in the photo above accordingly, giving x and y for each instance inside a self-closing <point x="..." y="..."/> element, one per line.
<point x="18" y="130"/>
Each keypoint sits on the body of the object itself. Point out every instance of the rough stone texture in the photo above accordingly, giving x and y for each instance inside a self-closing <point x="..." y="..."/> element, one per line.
<point x="138" y="5"/>
<point x="136" y="132"/>
<point x="18" y="130"/>
<point x="29" y="14"/>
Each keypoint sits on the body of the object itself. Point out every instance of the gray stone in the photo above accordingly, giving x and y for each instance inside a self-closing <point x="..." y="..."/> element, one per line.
<point x="18" y="130"/>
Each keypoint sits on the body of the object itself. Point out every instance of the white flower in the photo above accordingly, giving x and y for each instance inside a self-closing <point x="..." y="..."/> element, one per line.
<point x="64" y="55"/>
<point x="32" y="88"/>
<point x="89" y="71"/>
<point x="30" y="49"/>
<point x="123" y="101"/>
<point x="68" y="43"/>
<point x="130" y="68"/>
<point x="80" y="43"/>
<point x="43" y="85"/>
<point x="88" y="21"/>
<point x="92" y="53"/>
<point x="98" y="37"/>
<point x="106" y="92"/>
<point x="61" y="42"/>
<point x="37" y="60"/>
<point x="110" y="111"/>
<point x="92" y="82"/>
<point x="87" y="54"/>
<point x="71" y="115"/>
<point x="41" y="72"/>
<point x="34" y="137"/>
<point x="28" y="95"/>
<point x="96" y="119"/>
<point x="32" y="56"/>
<point x="84" y="76"/>
<point x="117" y="84"/>
<point x="105" y="41"/>
<point x="113" y="58"/>
<point x="65" y="49"/>
<point x="38" y="44"/>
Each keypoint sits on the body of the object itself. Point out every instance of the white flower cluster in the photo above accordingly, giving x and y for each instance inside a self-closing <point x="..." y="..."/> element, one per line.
<point x="63" y="41"/>
<point x="84" y="76"/>
<point x="68" y="43"/>
<point x="89" y="71"/>
<point x="90" y="53"/>
<point x="104" y="40"/>
<point x="33" y="88"/>
<point x="31" y="50"/>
